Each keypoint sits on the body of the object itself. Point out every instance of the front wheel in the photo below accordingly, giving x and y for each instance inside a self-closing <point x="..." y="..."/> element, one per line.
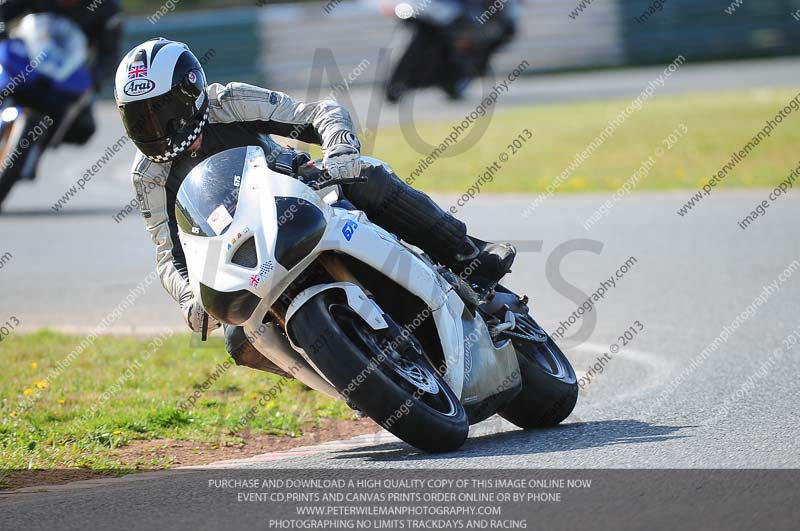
<point x="10" y="168"/>
<point x="383" y="375"/>
<point x="16" y="152"/>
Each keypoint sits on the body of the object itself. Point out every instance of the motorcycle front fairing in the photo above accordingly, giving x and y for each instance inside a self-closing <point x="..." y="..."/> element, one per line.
<point x="240" y="224"/>
<point x="230" y="227"/>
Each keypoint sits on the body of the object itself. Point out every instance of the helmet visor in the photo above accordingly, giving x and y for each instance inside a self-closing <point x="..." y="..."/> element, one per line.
<point x="159" y="117"/>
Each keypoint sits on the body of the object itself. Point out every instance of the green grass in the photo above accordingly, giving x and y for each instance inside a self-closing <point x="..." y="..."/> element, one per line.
<point x="718" y="124"/>
<point x="59" y="430"/>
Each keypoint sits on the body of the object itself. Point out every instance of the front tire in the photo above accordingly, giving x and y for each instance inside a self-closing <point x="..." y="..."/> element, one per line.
<point x="402" y="394"/>
<point x="10" y="166"/>
<point x="549" y="385"/>
<point x="14" y="157"/>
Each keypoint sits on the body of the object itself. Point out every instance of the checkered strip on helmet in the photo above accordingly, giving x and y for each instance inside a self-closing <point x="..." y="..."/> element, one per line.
<point x="183" y="146"/>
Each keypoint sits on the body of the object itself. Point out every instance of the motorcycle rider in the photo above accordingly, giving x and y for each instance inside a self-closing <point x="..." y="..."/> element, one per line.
<point x="498" y="18"/>
<point x="177" y="120"/>
<point x="453" y="45"/>
<point x="101" y="22"/>
<point x="485" y="27"/>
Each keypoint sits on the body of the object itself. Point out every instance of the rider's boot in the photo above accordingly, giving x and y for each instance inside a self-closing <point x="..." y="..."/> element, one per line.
<point x="482" y="262"/>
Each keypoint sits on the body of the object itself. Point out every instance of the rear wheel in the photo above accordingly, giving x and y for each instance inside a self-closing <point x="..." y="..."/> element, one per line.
<point x="549" y="386"/>
<point x="386" y="377"/>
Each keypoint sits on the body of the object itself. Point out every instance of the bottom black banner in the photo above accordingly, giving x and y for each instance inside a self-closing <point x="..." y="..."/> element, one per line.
<point x="418" y="499"/>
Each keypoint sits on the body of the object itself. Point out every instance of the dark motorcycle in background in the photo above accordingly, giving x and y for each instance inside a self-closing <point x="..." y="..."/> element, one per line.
<point x="452" y="43"/>
<point x="44" y="85"/>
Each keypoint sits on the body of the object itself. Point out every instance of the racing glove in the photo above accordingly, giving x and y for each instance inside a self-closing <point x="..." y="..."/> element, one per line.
<point x="193" y="314"/>
<point x="342" y="159"/>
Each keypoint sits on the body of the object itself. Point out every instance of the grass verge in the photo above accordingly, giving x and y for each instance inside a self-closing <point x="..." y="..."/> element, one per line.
<point x="137" y="392"/>
<point x="718" y="124"/>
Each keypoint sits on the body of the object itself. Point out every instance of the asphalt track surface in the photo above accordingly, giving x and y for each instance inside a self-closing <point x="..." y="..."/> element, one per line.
<point x="660" y="403"/>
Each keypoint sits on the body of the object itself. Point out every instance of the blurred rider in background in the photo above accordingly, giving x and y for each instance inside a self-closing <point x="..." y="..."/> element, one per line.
<point x="101" y="22"/>
<point x="452" y="44"/>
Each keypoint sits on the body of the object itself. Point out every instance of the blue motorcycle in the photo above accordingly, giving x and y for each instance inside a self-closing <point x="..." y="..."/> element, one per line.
<point x="44" y="85"/>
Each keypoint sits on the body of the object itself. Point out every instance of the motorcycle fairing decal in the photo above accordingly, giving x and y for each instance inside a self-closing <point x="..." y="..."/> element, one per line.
<point x="467" y="360"/>
<point x="238" y="237"/>
<point x="349" y="229"/>
<point x="219" y="219"/>
<point x="265" y="269"/>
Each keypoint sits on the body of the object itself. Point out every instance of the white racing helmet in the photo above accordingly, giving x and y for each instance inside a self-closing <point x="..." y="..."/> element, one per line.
<point x="160" y="88"/>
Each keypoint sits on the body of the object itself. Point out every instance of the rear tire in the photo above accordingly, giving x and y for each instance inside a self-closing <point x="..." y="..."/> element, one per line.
<point x="549" y="385"/>
<point x="347" y="351"/>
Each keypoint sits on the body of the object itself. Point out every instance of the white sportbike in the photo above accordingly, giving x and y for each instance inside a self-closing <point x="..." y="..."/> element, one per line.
<point x="348" y="309"/>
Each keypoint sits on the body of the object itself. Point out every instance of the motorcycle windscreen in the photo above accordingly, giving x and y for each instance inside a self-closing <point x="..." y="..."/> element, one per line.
<point x="208" y="196"/>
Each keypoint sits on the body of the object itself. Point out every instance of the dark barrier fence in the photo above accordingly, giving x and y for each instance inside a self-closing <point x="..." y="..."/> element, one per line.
<point x="227" y="40"/>
<point x="703" y="30"/>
